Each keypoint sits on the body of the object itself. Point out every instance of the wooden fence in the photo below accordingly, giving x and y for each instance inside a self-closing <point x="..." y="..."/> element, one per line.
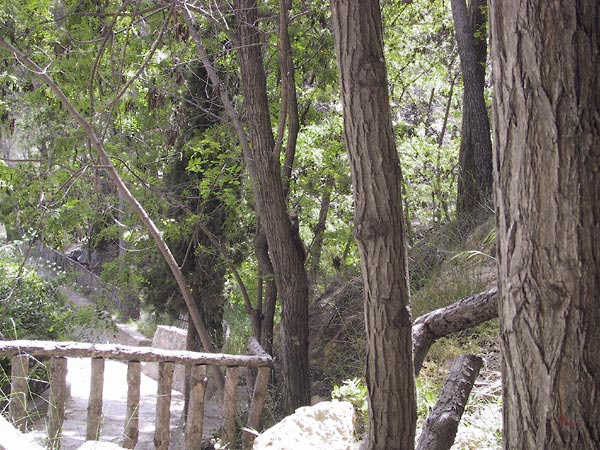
<point x="19" y="352"/>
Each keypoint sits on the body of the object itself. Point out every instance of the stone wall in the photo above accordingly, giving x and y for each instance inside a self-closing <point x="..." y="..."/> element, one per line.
<point x="169" y="338"/>
<point x="128" y="335"/>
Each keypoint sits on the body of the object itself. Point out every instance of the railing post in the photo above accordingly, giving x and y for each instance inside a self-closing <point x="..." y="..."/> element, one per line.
<point x="195" y="415"/>
<point x="94" y="417"/>
<point x="259" y="396"/>
<point x="132" y="430"/>
<point x="56" y="408"/>
<point x="19" y="391"/>
<point x="256" y="406"/>
<point x="162" y="432"/>
<point x="230" y="402"/>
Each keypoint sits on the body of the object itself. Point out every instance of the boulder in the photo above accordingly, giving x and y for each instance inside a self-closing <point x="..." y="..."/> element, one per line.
<point x="170" y="338"/>
<point x="327" y="425"/>
<point x="13" y="439"/>
<point x="98" y="445"/>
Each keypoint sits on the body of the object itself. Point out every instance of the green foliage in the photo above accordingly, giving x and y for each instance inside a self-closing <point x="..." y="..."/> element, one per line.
<point x="354" y="391"/>
<point x="428" y="391"/>
<point x="30" y="306"/>
<point x="238" y="328"/>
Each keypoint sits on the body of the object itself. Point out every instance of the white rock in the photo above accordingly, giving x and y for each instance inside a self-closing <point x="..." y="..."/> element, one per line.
<point x="98" y="445"/>
<point x="13" y="439"/>
<point x="326" y="425"/>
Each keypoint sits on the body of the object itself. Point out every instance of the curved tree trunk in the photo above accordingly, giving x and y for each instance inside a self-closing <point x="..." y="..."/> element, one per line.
<point x="475" y="156"/>
<point x="378" y="222"/>
<point x="546" y="55"/>
<point x="288" y="265"/>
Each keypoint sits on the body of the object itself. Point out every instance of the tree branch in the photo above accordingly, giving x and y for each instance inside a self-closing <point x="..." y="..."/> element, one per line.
<point x="466" y="313"/>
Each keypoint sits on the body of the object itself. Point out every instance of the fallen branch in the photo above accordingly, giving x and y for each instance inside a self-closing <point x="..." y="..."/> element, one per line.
<point x="441" y="425"/>
<point x="466" y="313"/>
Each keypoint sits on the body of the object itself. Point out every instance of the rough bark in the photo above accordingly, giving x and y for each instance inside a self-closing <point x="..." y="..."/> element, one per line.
<point x="319" y="232"/>
<point x="132" y="416"/>
<point x="19" y="391"/>
<point x="94" y="417"/>
<point x="230" y="405"/>
<point x="439" y="430"/>
<point x="475" y="155"/>
<point x="290" y="274"/>
<point x="259" y="396"/>
<point x="195" y="417"/>
<point x="266" y="303"/>
<point x="378" y="222"/>
<point x="56" y="405"/>
<point x="546" y="55"/>
<point x="289" y="105"/>
<point x="466" y="313"/>
<point x="162" y="431"/>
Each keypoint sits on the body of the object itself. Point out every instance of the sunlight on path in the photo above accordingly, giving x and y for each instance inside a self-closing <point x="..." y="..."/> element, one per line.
<point x="114" y="405"/>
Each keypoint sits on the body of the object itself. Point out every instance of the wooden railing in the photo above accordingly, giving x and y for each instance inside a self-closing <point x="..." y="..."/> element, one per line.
<point x="20" y="351"/>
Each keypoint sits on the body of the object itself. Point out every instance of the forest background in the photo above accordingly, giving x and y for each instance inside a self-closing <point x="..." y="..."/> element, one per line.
<point x="164" y="86"/>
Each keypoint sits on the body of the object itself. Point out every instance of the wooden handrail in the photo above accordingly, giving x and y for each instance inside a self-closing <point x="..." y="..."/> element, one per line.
<point x="130" y="353"/>
<point x="58" y="351"/>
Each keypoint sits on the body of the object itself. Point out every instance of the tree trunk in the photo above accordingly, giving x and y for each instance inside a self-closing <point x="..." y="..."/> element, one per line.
<point x="319" y="233"/>
<point x="268" y="302"/>
<point x="290" y="274"/>
<point x="441" y="425"/>
<point x="475" y="155"/>
<point x="546" y="55"/>
<point x="378" y="222"/>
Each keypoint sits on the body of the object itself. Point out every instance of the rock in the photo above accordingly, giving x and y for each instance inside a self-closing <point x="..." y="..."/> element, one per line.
<point x="13" y="439"/>
<point x="98" y="445"/>
<point x="170" y="338"/>
<point x="327" y="425"/>
<point x="129" y="335"/>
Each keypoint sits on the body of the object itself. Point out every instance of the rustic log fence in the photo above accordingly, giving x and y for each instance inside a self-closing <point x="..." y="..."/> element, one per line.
<point x="20" y="350"/>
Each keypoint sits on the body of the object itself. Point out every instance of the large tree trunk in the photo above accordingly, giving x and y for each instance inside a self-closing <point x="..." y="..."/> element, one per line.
<point x="475" y="156"/>
<point x="546" y="55"/>
<point x="288" y="264"/>
<point x="378" y="222"/>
